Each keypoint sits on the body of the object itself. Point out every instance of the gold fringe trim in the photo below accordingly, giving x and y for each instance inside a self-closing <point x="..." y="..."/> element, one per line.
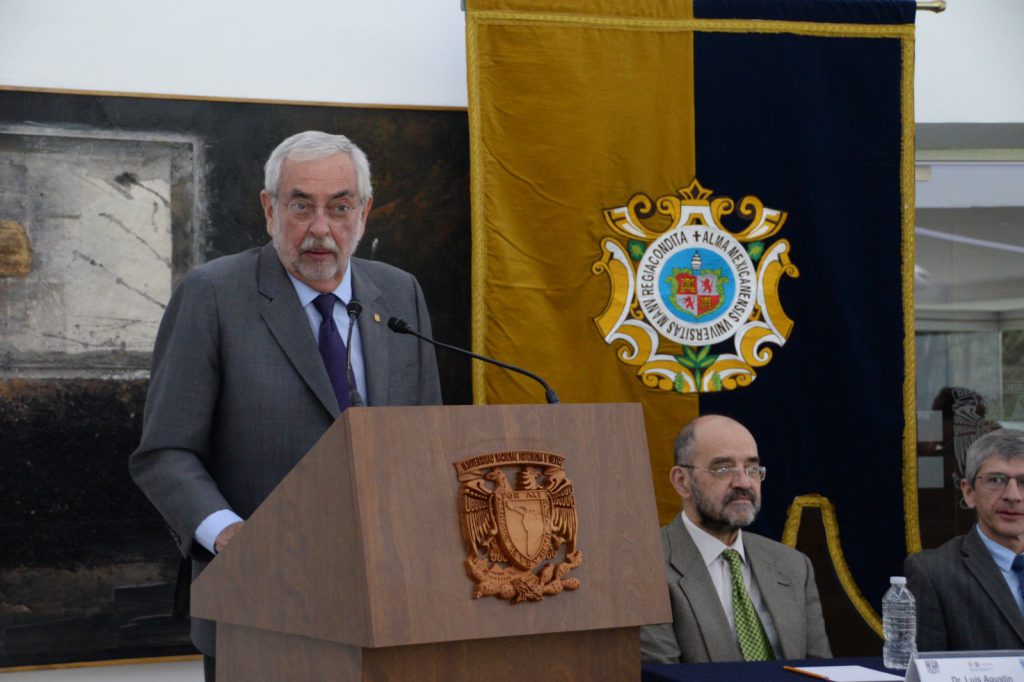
<point x="478" y="235"/>
<point x="835" y="551"/>
<point x="102" y="664"/>
<point x="701" y="25"/>
<point x="907" y="188"/>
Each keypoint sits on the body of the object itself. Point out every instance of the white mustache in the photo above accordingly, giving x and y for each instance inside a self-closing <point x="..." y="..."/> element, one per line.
<point x="320" y="244"/>
<point x="739" y="495"/>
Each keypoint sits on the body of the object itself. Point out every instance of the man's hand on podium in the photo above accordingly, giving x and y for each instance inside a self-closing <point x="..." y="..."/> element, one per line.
<point x="225" y="536"/>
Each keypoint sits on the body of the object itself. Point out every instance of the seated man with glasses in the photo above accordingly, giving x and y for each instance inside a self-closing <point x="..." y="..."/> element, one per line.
<point x="735" y="596"/>
<point x="968" y="591"/>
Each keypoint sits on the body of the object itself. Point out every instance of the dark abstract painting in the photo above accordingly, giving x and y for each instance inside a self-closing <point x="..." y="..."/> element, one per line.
<point x="105" y="202"/>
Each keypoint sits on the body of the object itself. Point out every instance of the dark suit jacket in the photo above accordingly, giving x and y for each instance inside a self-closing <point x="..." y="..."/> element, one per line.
<point x="699" y="631"/>
<point x="239" y="392"/>
<point x="963" y="602"/>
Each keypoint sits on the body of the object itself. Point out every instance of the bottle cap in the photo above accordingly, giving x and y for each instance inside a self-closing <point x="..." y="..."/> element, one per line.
<point x="897" y="580"/>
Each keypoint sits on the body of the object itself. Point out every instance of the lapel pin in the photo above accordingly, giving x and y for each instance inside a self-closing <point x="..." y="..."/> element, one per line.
<point x="376" y="317"/>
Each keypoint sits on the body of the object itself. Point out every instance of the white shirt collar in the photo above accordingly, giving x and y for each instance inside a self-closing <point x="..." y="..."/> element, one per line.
<point x="708" y="545"/>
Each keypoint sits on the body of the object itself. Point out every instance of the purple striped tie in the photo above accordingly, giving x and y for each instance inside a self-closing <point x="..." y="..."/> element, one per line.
<point x="332" y="348"/>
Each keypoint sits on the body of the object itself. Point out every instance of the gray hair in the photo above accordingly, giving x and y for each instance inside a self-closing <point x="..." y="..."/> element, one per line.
<point x="1004" y="443"/>
<point x="686" y="443"/>
<point x="313" y="145"/>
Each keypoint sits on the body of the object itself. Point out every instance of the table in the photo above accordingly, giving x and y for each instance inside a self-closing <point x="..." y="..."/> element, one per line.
<point x="757" y="671"/>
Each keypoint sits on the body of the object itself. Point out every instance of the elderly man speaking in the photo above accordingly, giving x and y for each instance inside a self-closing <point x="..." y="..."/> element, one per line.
<point x="249" y="366"/>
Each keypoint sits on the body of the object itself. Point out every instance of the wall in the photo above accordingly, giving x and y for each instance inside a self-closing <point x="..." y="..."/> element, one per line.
<point x="407" y="52"/>
<point x="968" y="63"/>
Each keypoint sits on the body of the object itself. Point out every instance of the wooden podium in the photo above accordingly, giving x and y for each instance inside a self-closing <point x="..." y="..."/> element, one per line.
<point x="355" y="566"/>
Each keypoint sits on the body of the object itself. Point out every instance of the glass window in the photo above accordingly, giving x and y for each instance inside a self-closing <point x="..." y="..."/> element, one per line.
<point x="969" y="322"/>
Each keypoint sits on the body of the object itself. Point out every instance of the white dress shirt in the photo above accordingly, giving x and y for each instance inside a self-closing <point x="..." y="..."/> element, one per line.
<point x="711" y="549"/>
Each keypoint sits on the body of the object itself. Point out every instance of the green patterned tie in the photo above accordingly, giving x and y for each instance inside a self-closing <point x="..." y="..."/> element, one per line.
<point x="753" y="641"/>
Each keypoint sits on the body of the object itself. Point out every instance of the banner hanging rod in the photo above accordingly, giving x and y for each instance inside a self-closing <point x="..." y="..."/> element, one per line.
<point x="922" y="5"/>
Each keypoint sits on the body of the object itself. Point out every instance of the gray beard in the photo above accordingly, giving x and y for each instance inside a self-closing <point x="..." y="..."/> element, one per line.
<point x="724" y="520"/>
<point x="292" y="260"/>
<point x="317" y="272"/>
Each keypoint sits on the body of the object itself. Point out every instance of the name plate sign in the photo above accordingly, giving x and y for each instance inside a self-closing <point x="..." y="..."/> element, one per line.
<point x="990" y="666"/>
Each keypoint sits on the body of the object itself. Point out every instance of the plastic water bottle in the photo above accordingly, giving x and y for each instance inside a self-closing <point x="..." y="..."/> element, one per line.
<point x="899" y="623"/>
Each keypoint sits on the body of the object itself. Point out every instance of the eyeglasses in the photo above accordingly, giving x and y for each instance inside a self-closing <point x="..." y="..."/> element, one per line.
<point x="997" y="482"/>
<point x="336" y="212"/>
<point x="724" y="473"/>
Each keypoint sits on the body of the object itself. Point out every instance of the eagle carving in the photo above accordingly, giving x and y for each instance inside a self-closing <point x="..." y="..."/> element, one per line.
<point x="520" y="525"/>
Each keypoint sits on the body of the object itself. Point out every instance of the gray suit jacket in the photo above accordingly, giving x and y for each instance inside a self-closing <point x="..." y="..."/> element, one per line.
<point x="963" y="602"/>
<point x="239" y="392"/>
<point x="699" y="631"/>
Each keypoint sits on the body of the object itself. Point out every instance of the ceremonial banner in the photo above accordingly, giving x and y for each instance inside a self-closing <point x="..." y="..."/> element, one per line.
<point x="706" y="206"/>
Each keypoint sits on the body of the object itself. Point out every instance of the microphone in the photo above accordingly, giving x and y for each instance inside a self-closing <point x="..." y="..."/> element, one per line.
<point x="354" y="307"/>
<point x="400" y="326"/>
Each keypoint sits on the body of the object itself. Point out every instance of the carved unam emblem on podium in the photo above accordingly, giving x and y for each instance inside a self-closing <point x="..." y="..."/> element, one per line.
<point x="517" y="511"/>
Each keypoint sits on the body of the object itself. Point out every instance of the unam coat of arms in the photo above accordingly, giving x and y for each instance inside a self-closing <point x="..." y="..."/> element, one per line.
<point x="519" y="522"/>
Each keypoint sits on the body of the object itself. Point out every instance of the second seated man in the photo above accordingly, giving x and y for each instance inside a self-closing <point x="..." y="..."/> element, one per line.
<point x="970" y="591"/>
<point x="735" y="595"/>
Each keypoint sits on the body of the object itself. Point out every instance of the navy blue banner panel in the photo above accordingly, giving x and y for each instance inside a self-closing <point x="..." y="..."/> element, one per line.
<point x="813" y="123"/>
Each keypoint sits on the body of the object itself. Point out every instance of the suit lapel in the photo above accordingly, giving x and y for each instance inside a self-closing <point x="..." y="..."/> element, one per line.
<point x="777" y="591"/>
<point x="372" y="331"/>
<point x="983" y="567"/>
<point x="694" y="581"/>
<point x="280" y="310"/>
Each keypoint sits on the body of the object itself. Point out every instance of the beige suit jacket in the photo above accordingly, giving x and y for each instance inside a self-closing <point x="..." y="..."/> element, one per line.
<point x="700" y="632"/>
